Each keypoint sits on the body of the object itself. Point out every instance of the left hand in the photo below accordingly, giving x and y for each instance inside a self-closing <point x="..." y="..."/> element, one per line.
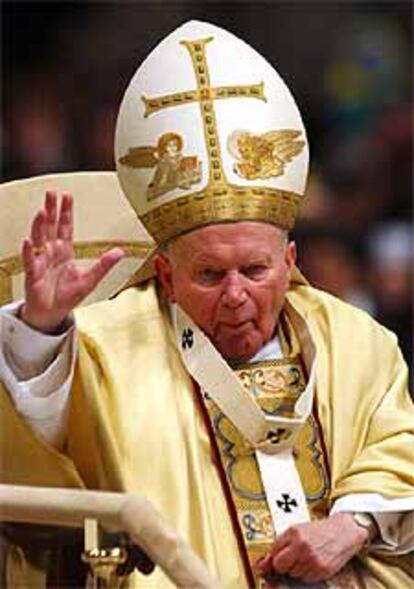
<point x="315" y="551"/>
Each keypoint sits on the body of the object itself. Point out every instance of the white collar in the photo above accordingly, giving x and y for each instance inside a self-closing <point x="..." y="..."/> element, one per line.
<point x="270" y="351"/>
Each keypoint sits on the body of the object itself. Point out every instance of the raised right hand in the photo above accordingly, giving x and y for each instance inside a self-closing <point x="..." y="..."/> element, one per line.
<point x="54" y="284"/>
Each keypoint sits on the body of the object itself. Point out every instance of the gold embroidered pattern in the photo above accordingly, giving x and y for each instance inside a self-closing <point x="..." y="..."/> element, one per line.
<point x="276" y="385"/>
<point x="220" y="201"/>
<point x="205" y="95"/>
<point x="153" y="105"/>
<point x="263" y="156"/>
<point x="218" y="204"/>
<point x="13" y="266"/>
<point x="172" y="169"/>
<point x="309" y="461"/>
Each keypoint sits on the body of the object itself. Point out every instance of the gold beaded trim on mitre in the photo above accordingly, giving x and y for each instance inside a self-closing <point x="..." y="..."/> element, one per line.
<point x="220" y="201"/>
<point x="217" y="205"/>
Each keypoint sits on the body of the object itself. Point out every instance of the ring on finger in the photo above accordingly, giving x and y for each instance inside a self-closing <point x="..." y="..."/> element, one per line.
<point x="38" y="250"/>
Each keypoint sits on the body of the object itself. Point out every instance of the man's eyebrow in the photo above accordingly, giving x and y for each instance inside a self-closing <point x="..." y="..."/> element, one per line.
<point x="208" y="261"/>
<point x="257" y="258"/>
<point x="205" y="259"/>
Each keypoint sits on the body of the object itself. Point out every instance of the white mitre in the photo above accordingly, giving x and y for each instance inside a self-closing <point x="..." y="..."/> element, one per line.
<point x="208" y="132"/>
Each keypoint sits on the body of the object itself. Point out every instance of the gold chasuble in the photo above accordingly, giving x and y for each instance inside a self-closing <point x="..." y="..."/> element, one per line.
<point x="137" y="424"/>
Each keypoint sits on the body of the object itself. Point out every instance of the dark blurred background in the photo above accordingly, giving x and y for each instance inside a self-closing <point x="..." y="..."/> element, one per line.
<point x="65" y="67"/>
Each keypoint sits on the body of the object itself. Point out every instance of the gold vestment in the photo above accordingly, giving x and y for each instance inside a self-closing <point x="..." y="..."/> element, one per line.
<point x="135" y="424"/>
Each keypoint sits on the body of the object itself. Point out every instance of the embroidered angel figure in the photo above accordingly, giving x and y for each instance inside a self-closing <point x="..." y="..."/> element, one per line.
<point x="172" y="168"/>
<point x="266" y="155"/>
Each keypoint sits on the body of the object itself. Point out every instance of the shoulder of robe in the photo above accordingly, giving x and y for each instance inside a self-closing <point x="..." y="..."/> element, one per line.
<point x="332" y="315"/>
<point x="137" y="303"/>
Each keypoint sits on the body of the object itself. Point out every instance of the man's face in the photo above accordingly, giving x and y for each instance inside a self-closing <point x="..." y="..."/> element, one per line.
<point x="231" y="279"/>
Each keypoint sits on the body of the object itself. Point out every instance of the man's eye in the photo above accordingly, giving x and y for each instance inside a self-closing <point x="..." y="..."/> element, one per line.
<point x="255" y="271"/>
<point x="210" y="276"/>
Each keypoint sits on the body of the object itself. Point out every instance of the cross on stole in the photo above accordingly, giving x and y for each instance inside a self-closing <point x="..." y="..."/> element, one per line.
<point x="187" y="338"/>
<point x="287" y="503"/>
<point x="205" y="95"/>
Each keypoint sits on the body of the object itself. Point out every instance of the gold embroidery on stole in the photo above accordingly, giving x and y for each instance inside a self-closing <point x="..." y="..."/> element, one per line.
<point x="276" y="385"/>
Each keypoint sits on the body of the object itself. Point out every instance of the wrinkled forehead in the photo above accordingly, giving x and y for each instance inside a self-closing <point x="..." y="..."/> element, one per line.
<point x="251" y="235"/>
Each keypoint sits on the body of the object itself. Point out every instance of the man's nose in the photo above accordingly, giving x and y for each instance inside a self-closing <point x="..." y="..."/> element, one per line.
<point x="234" y="290"/>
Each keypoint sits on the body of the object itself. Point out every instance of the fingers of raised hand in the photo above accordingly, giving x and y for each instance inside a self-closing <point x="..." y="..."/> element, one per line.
<point x="38" y="233"/>
<point x="58" y="226"/>
<point x="95" y="273"/>
<point x="34" y="247"/>
<point x="47" y="227"/>
<point x="28" y="257"/>
<point x="44" y="244"/>
<point x="51" y="214"/>
<point x="65" y="222"/>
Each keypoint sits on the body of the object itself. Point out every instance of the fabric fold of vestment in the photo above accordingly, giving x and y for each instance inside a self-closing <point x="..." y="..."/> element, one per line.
<point x="120" y="440"/>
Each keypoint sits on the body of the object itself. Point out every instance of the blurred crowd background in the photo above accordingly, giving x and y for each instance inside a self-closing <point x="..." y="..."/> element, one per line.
<point x="66" y="65"/>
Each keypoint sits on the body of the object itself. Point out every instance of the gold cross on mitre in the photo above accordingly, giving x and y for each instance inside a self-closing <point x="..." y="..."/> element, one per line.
<point x="205" y="95"/>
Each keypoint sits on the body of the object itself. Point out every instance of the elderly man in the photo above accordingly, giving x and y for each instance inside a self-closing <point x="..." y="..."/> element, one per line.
<point x="267" y="421"/>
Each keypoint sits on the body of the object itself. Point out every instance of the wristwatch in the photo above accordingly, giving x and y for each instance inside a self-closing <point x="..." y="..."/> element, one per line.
<point x="367" y="521"/>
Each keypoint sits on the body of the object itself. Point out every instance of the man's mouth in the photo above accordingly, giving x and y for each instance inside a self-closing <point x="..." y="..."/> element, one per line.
<point x="236" y="326"/>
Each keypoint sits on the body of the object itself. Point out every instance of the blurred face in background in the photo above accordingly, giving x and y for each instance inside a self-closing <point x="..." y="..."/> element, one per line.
<point x="231" y="279"/>
<point x="329" y="265"/>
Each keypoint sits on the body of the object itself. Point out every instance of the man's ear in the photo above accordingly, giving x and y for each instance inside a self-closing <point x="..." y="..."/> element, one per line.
<point x="163" y="269"/>
<point x="290" y="255"/>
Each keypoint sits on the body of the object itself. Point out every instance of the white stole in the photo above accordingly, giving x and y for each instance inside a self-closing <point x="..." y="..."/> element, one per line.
<point x="272" y="437"/>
